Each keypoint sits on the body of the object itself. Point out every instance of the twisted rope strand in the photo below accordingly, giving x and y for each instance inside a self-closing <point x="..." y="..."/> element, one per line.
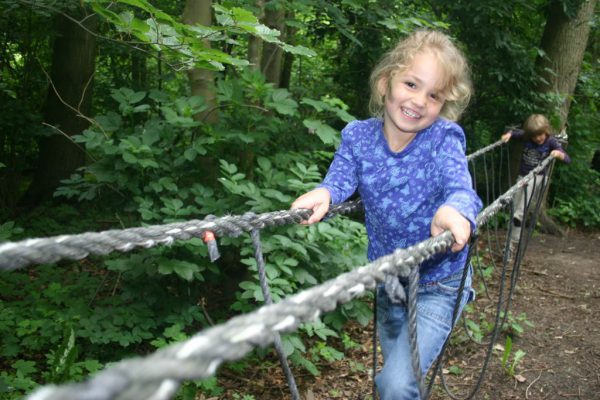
<point x="15" y="255"/>
<point x="485" y="150"/>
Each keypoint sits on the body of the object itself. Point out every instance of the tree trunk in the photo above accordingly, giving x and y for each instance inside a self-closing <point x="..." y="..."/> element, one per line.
<point x="139" y="70"/>
<point x="201" y="80"/>
<point x="68" y="101"/>
<point x="272" y="56"/>
<point x="288" y="57"/>
<point x="255" y="44"/>
<point x="564" y="42"/>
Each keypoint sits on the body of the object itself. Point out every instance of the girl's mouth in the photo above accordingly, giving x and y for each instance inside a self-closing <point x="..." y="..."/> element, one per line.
<point x="410" y="113"/>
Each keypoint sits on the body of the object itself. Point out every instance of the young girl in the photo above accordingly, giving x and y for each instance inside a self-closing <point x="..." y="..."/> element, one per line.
<point x="538" y="145"/>
<point x="410" y="168"/>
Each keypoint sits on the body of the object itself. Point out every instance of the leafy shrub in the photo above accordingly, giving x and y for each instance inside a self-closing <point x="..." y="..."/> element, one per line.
<point x="156" y="162"/>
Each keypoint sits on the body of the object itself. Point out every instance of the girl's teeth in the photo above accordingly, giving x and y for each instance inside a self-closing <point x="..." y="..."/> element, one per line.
<point x="410" y="113"/>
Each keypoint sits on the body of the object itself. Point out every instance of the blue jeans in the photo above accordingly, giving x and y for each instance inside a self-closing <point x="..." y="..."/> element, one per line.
<point x="435" y="304"/>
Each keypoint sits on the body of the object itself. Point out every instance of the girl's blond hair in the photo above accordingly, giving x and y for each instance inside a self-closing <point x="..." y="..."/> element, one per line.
<point x="457" y="87"/>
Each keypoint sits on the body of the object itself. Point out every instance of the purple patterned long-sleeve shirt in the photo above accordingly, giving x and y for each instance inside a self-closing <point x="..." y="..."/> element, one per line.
<point x="402" y="191"/>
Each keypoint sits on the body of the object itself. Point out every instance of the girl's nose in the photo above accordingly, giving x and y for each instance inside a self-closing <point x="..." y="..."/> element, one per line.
<point x="420" y="99"/>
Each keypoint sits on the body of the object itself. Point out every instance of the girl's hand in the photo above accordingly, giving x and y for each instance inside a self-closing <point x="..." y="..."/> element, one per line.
<point x="506" y="137"/>
<point x="557" y="154"/>
<point x="448" y="218"/>
<point x="317" y="200"/>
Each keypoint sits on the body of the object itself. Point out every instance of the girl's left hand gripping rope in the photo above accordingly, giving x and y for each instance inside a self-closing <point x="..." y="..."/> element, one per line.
<point x="211" y="244"/>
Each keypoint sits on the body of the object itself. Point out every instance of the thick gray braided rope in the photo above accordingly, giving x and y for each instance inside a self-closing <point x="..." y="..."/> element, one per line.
<point x="157" y="376"/>
<point x="14" y="255"/>
<point x="485" y="149"/>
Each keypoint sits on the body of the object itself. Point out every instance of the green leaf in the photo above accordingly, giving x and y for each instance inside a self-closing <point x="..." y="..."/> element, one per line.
<point x="327" y="134"/>
<point x="303" y="276"/>
<point x="145" y="163"/>
<point x="141" y="108"/>
<point x="287" y="242"/>
<point x="129" y="158"/>
<point x="110" y="122"/>
<point x="150" y="136"/>
<point x="228" y="168"/>
<point x="455" y="370"/>
<point x="298" y="359"/>
<point x="264" y="163"/>
<point x="319" y="106"/>
<point x="507" y="350"/>
<point x="519" y="354"/>
<point x="299" y="50"/>
<point x="64" y="357"/>
<point x="167" y="183"/>
<point x="252" y="291"/>
<point x="291" y="343"/>
<point x="175" y="332"/>
<point x="25" y="368"/>
<point x="190" y="154"/>
<point x="184" y="269"/>
<point x="8" y="229"/>
<point x="288" y="347"/>
<point x="134" y="262"/>
<point x="283" y="103"/>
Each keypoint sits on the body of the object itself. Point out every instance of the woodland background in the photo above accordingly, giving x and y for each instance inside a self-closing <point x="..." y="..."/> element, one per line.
<point x="117" y="114"/>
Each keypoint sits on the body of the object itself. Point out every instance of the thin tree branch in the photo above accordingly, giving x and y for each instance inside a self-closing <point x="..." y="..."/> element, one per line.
<point x="66" y="104"/>
<point x="71" y="140"/>
<point x="85" y="87"/>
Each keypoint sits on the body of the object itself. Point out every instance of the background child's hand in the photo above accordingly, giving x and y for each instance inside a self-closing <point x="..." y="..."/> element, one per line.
<point x="317" y="200"/>
<point x="448" y="218"/>
<point x="506" y="137"/>
<point x="557" y="154"/>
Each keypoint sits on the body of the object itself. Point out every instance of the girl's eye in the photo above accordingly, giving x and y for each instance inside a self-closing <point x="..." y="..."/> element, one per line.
<point x="436" y="97"/>
<point x="410" y="84"/>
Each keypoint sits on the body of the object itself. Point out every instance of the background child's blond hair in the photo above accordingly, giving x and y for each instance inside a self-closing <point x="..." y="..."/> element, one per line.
<point x="457" y="87"/>
<point x="536" y="124"/>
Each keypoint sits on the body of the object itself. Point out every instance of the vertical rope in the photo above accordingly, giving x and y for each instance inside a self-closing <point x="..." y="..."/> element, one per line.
<point x="411" y="304"/>
<point x="478" y="266"/>
<point x="459" y="295"/>
<point x="509" y="184"/>
<point x="374" y="343"/>
<point x="264" y="285"/>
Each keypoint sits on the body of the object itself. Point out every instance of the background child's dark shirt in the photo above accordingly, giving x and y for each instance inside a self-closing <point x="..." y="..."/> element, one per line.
<point x="534" y="154"/>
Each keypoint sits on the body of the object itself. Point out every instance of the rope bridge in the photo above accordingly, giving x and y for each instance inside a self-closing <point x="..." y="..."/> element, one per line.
<point x="158" y="375"/>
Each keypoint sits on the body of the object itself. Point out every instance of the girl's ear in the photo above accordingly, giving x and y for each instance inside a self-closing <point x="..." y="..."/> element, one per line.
<point x="382" y="86"/>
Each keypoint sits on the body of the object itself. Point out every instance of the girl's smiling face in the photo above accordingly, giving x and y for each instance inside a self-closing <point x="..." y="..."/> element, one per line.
<point x="413" y="97"/>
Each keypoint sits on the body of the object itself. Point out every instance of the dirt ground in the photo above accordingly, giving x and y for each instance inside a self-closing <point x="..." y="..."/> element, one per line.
<point x="558" y="292"/>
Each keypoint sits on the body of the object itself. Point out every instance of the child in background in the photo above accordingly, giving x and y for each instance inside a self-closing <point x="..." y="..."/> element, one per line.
<point x="409" y="166"/>
<point x="538" y="145"/>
